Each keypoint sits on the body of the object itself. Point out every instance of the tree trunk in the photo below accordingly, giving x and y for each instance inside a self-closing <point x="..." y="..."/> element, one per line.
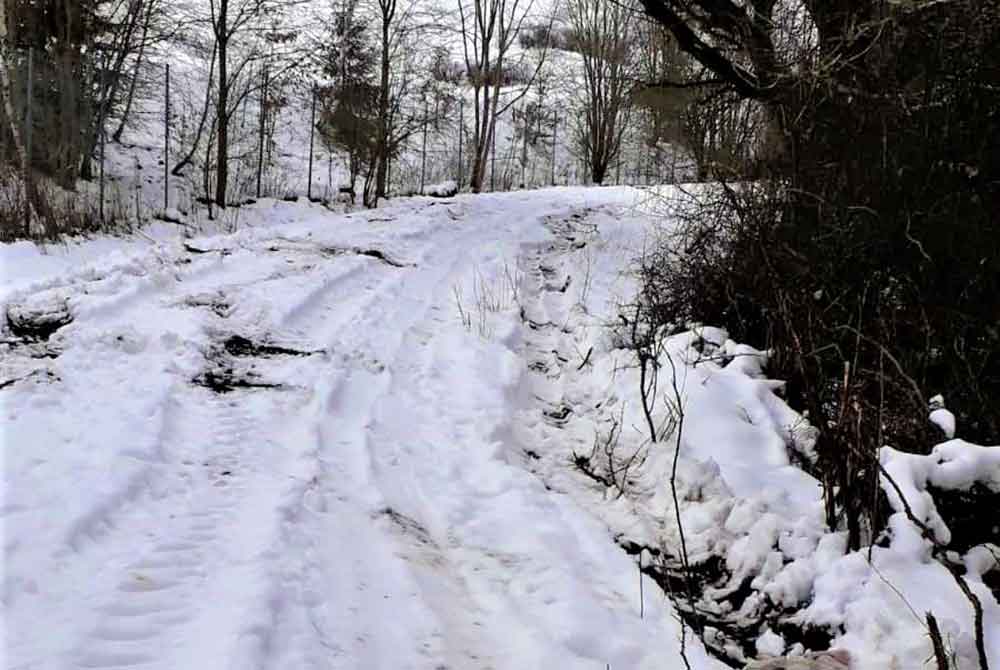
<point x="10" y="116"/>
<point x="368" y="192"/>
<point x="36" y="203"/>
<point x="222" y="107"/>
<point x="598" y="171"/>
<point x="382" y="145"/>
<point x="484" y="133"/>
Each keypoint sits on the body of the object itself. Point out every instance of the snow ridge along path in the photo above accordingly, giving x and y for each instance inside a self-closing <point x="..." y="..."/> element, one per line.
<point x="294" y="447"/>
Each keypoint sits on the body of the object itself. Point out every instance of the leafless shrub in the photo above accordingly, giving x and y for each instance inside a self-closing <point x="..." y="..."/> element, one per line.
<point x="56" y="212"/>
<point x="606" y="463"/>
<point x="489" y="297"/>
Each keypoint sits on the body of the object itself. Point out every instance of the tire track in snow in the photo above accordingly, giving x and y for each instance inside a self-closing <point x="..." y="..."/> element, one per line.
<point x="516" y="575"/>
<point x="156" y="592"/>
<point x="116" y="641"/>
<point x="443" y="571"/>
<point x="299" y="595"/>
<point x="352" y="527"/>
<point x="358" y="602"/>
<point x="164" y="480"/>
<point x="409" y="466"/>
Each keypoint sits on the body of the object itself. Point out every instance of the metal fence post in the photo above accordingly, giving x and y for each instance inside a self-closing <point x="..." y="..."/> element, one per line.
<point x="423" y="151"/>
<point x="27" y="151"/>
<point x="524" y="146"/>
<point x="104" y="134"/>
<point x="461" y="137"/>
<point x="493" y="156"/>
<point x="166" y="146"/>
<point x="312" y="134"/>
<point x="555" y="132"/>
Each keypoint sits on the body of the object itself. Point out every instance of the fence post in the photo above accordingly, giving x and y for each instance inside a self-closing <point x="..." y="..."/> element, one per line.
<point x="101" y="188"/>
<point x="461" y="137"/>
<point x="507" y="182"/>
<point x="555" y="134"/>
<point x="423" y="151"/>
<point x="524" y="146"/>
<point x="312" y="134"/>
<point x="166" y="148"/>
<point x="493" y="155"/>
<point x="27" y="144"/>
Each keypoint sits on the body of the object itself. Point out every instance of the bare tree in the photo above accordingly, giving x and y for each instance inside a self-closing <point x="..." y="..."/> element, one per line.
<point x="127" y="30"/>
<point x="390" y="32"/>
<point x="405" y="81"/>
<point x="489" y="29"/>
<point x="602" y="33"/>
<point x="153" y="9"/>
<point x="346" y="59"/>
<point x="202" y="120"/>
<point x="230" y="20"/>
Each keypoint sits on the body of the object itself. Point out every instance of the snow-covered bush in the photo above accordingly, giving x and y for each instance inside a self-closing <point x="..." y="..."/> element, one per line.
<point x="748" y="555"/>
<point x="445" y="189"/>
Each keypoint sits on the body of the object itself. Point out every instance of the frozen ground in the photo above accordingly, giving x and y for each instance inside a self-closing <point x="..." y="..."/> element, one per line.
<point x="369" y="510"/>
<point x="347" y="441"/>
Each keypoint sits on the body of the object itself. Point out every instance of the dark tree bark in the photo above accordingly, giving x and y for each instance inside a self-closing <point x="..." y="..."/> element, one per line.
<point x="222" y="36"/>
<point x="382" y="143"/>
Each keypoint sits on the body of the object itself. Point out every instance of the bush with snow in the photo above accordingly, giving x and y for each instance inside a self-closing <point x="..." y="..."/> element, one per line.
<point x="768" y="570"/>
<point x="445" y="189"/>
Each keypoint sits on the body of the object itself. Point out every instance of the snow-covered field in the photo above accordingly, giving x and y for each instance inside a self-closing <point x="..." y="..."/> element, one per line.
<point x="348" y="441"/>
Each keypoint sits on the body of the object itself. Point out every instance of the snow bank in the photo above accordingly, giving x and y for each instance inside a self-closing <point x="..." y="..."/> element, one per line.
<point x="770" y="529"/>
<point x="747" y="505"/>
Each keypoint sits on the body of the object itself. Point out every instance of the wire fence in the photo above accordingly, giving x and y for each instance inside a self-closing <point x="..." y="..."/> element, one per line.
<point x="517" y="160"/>
<point x="57" y="118"/>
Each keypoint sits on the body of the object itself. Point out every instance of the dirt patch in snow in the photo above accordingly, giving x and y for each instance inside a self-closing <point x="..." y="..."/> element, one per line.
<point x="37" y="324"/>
<point x="237" y="345"/>
<point x="226" y="380"/>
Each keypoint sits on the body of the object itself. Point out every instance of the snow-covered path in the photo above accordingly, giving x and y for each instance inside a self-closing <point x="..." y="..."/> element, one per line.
<point x="292" y="448"/>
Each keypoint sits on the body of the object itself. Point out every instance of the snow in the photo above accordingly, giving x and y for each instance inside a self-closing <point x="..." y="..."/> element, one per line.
<point x="445" y="189"/>
<point x="944" y="420"/>
<point x="368" y="512"/>
<point x="387" y="480"/>
<point x="941" y="417"/>
<point x="770" y="644"/>
<point x="960" y="464"/>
